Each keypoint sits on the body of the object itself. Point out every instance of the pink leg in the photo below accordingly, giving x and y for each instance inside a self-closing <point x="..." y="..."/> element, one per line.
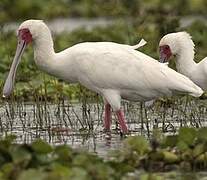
<point x="107" y="117"/>
<point x="121" y="119"/>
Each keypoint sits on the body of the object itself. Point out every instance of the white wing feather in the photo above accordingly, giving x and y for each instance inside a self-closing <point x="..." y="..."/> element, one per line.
<point x="108" y="67"/>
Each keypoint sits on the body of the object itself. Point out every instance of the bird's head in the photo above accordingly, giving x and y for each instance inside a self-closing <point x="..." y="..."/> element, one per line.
<point x="30" y="30"/>
<point x="27" y="32"/>
<point x="172" y="44"/>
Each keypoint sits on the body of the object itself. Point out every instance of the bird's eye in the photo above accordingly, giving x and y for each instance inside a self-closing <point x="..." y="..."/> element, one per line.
<point x="166" y="47"/>
<point x="27" y="30"/>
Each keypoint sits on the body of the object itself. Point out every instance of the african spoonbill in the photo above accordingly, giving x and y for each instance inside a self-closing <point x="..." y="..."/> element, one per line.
<point x="112" y="70"/>
<point x="181" y="45"/>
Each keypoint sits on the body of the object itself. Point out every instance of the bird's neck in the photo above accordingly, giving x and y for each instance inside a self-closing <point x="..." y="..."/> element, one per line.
<point x="185" y="60"/>
<point x="51" y="62"/>
<point x="44" y="54"/>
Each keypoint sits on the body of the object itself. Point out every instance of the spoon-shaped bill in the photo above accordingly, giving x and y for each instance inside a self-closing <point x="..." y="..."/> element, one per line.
<point x="163" y="57"/>
<point x="9" y="84"/>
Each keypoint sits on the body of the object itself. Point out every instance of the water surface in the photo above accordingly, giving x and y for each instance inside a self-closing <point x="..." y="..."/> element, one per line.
<point x="80" y="124"/>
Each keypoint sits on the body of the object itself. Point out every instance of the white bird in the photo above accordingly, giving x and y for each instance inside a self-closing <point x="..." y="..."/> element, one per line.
<point x="181" y="45"/>
<point x="112" y="70"/>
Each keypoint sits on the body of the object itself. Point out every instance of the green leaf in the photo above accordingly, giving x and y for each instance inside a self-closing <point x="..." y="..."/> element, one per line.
<point x="81" y="160"/>
<point x="7" y="141"/>
<point x="7" y="169"/>
<point x="32" y="174"/>
<point x="170" y="157"/>
<point x="187" y="135"/>
<point x="182" y="146"/>
<point x="58" y="170"/>
<point x="202" y="158"/>
<point x="77" y="173"/>
<point x="138" y="144"/>
<point x="20" y="154"/>
<point x="41" y="147"/>
<point x="156" y="156"/>
<point x="151" y="176"/>
<point x="202" y="134"/>
<point x="64" y="152"/>
<point x="170" y="141"/>
<point x="199" y="149"/>
<point x="187" y="155"/>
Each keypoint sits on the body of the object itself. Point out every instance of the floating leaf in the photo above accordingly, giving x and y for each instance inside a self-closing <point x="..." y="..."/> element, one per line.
<point x="20" y="155"/>
<point x="170" y="157"/>
<point x="59" y="170"/>
<point x="32" y="174"/>
<point x="7" y="169"/>
<point x="7" y="141"/>
<point x="187" y="135"/>
<point x="138" y="144"/>
<point x="81" y="160"/>
<point x="40" y="146"/>
<point x="77" y="173"/>
<point x="63" y="151"/>
<point x="187" y="155"/>
<point x="199" y="149"/>
<point x="182" y="146"/>
<point x="202" y="158"/>
<point x="202" y="134"/>
<point x="156" y="156"/>
<point x="170" y="141"/>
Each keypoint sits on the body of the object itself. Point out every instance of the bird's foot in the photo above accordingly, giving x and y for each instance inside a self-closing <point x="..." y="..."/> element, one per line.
<point x="124" y="134"/>
<point x="107" y="133"/>
<point x="106" y="130"/>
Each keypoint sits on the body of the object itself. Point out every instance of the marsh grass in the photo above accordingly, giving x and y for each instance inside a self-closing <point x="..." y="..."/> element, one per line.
<point x="55" y="121"/>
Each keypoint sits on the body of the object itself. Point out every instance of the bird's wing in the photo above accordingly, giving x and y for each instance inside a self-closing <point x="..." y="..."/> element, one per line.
<point x="121" y="68"/>
<point x="179" y="83"/>
<point x="116" y="67"/>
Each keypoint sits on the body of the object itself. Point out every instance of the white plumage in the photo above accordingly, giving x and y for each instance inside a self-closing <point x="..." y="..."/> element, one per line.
<point x="112" y="70"/>
<point x="182" y="46"/>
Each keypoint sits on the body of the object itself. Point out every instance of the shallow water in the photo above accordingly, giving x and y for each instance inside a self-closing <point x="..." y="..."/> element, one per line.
<point x="80" y="124"/>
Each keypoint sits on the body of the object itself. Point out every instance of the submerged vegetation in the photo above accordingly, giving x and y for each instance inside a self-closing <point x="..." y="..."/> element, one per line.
<point x="185" y="152"/>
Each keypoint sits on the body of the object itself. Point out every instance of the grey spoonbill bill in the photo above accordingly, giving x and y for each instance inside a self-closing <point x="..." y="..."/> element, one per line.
<point x="114" y="71"/>
<point x="180" y="44"/>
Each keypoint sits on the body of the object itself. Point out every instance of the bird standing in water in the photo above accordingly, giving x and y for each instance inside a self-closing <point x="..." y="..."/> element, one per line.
<point x="114" y="71"/>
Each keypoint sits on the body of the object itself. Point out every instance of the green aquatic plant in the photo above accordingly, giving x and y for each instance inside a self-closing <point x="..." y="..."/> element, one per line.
<point x="186" y="150"/>
<point x="136" y="159"/>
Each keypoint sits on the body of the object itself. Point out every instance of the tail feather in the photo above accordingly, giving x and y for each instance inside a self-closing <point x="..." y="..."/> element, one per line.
<point x="181" y="83"/>
<point x="188" y="86"/>
<point x="141" y="43"/>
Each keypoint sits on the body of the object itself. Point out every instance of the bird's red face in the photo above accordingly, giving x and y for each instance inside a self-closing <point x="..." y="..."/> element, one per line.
<point x="165" y="53"/>
<point x="24" y="38"/>
<point x="25" y="35"/>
